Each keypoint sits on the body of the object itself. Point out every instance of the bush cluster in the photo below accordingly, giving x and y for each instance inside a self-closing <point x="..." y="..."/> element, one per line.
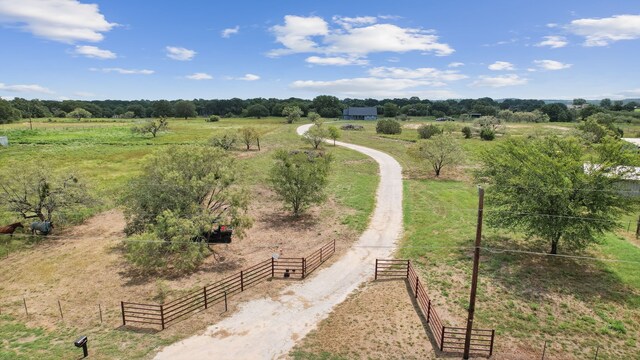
<point x="388" y="126"/>
<point x="427" y="131"/>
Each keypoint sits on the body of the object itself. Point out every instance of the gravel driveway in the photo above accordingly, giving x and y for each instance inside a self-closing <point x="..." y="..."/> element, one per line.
<point x="269" y="328"/>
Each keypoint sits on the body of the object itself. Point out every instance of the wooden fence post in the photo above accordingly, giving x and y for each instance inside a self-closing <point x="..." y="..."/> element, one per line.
<point x="408" y="265"/>
<point x="162" y="316"/>
<point x="124" y="321"/>
<point x="376" y="275"/>
<point x="417" y="283"/>
<point x="304" y="267"/>
<point x="637" y="229"/>
<point x="493" y="335"/>
<point x="273" y="267"/>
<point x="60" y="308"/>
<point x="442" y="339"/>
<point x="204" y="290"/>
<point x="100" y="311"/>
<point x="241" y="281"/>
<point x="428" y="310"/>
<point x="320" y="255"/>
<point x="25" y="306"/>
<point x="334" y="242"/>
<point x="544" y="349"/>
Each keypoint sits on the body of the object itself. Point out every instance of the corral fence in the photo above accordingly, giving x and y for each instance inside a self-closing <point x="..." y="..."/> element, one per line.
<point x="448" y="338"/>
<point x="163" y="315"/>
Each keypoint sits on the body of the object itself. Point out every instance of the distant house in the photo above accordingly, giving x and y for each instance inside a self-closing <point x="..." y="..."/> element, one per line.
<point x="360" y="113"/>
<point x="629" y="183"/>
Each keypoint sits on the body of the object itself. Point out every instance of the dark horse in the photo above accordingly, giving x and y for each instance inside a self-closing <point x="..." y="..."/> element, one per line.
<point x="41" y="227"/>
<point x="9" y="229"/>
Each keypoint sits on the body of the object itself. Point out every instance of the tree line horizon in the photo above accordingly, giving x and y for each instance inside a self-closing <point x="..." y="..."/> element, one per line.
<point x="325" y="105"/>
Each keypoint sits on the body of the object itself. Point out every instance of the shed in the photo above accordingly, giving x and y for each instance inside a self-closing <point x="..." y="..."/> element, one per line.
<point x="4" y="141"/>
<point x="360" y="113"/>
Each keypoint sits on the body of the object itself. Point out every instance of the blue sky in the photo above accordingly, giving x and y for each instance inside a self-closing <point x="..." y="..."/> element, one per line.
<point x="61" y="49"/>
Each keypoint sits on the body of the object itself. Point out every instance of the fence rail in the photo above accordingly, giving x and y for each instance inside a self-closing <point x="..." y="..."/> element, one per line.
<point x="164" y="314"/>
<point x="447" y="338"/>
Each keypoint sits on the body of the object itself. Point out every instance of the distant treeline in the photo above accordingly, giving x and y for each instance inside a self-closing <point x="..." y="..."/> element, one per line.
<point x="326" y="106"/>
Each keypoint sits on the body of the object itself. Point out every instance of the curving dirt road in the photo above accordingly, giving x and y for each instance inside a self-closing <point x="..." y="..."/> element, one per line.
<point x="268" y="328"/>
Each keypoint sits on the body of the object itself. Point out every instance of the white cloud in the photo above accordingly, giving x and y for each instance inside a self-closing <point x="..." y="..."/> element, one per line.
<point x="226" y="33"/>
<point x="199" y="76"/>
<point x="553" y="42"/>
<point x="602" y="32"/>
<point x="501" y="66"/>
<point x="60" y="20"/>
<point x="94" y="52"/>
<point x="337" y="61"/>
<point x="8" y="98"/>
<point x="312" y="34"/>
<point x="552" y="25"/>
<point x="296" y="34"/>
<point x="124" y="71"/>
<point x="31" y="88"/>
<point x="249" y="77"/>
<point x="371" y="87"/>
<point x="551" y="65"/>
<point x="634" y="93"/>
<point x="455" y="64"/>
<point x="349" y="22"/>
<point x="431" y="74"/>
<point x="499" y="81"/>
<point x="180" y="53"/>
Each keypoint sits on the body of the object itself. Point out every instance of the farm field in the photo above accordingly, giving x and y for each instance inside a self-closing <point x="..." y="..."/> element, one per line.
<point x="82" y="265"/>
<point x="578" y="306"/>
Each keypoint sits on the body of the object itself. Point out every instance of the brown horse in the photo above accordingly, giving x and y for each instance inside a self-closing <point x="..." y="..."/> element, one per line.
<point x="9" y="229"/>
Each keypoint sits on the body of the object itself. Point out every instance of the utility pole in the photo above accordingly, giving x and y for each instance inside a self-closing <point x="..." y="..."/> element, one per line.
<point x="474" y="276"/>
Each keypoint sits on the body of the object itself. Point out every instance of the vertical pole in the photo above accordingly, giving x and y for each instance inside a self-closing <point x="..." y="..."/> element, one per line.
<point x="241" y="281"/>
<point x="428" y="311"/>
<point x="304" y="267"/>
<point x="493" y="335"/>
<point x="544" y="349"/>
<point x="225" y="301"/>
<point x="417" y="283"/>
<point x="474" y="276"/>
<point x="320" y="255"/>
<point x="60" y="308"/>
<point x="162" y="316"/>
<point x="100" y="311"/>
<point x="408" y="265"/>
<point x="597" y="350"/>
<point x="376" y="275"/>
<point x="25" y="306"/>
<point x="273" y="267"/>
<point x="637" y="230"/>
<point x="442" y="339"/>
<point x="124" y="321"/>
<point x="334" y="242"/>
<point x="204" y="290"/>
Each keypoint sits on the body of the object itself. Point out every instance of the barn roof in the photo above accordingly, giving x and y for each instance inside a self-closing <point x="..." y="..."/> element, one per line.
<point x="360" y="111"/>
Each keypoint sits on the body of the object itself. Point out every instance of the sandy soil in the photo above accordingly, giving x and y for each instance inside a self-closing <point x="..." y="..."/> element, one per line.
<point x="84" y="265"/>
<point x="269" y="328"/>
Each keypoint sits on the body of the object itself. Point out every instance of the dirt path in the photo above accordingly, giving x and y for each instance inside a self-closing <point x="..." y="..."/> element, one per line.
<point x="269" y="328"/>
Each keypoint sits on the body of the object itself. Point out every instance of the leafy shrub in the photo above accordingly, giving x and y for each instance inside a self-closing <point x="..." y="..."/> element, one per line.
<point x="402" y="117"/>
<point x="225" y="141"/>
<point x="351" y="127"/>
<point x="388" y="126"/>
<point x="466" y="132"/>
<point x="427" y="131"/>
<point x="487" y="134"/>
<point x="213" y="118"/>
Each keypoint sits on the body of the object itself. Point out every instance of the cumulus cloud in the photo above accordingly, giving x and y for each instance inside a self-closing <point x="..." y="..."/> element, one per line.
<point x="30" y="88"/>
<point x="226" y="33"/>
<point x="349" y="22"/>
<point x="336" y="61"/>
<point x="501" y="66"/>
<point x="455" y="64"/>
<point x="180" y="53"/>
<point x="60" y="20"/>
<point x="552" y="65"/>
<point x="94" y="52"/>
<point x="84" y="94"/>
<point x="437" y="77"/>
<point x="553" y="42"/>
<point x="499" y="81"/>
<point x="604" y="31"/>
<point x="199" y="76"/>
<point x="124" y="71"/>
<point x="249" y="77"/>
<point x="361" y="37"/>
<point x="371" y="87"/>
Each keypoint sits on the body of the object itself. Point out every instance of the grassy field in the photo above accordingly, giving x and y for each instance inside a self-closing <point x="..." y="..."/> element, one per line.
<point x="575" y="304"/>
<point x="106" y="154"/>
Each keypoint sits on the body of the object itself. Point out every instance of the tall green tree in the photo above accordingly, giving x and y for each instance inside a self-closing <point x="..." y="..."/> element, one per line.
<point x="540" y="187"/>
<point x="8" y="113"/>
<point x="292" y="113"/>
<point x="327" y="106"/>
<point x="79" y="113"/>
<point x="557" y="112"/>
<point x="258" y="111"/>
<point x="162" y="108"/>
<point x="184" y="109"/>
<point x="300" y="178"/>
<point x="440" y="151"/>
<point x="390" y="109"/>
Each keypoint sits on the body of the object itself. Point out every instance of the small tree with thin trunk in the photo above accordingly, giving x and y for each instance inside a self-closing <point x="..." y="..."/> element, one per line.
<point x="153" y="126"/>
<point x="300" y="178"/>
<point x="292" y="113"/>
<point x="440" y="151"/>
<point x="313" y="117"/>
<point x="248" y="135"/>
<point x="315" y="136"/>
<point x="334" y="134"/>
